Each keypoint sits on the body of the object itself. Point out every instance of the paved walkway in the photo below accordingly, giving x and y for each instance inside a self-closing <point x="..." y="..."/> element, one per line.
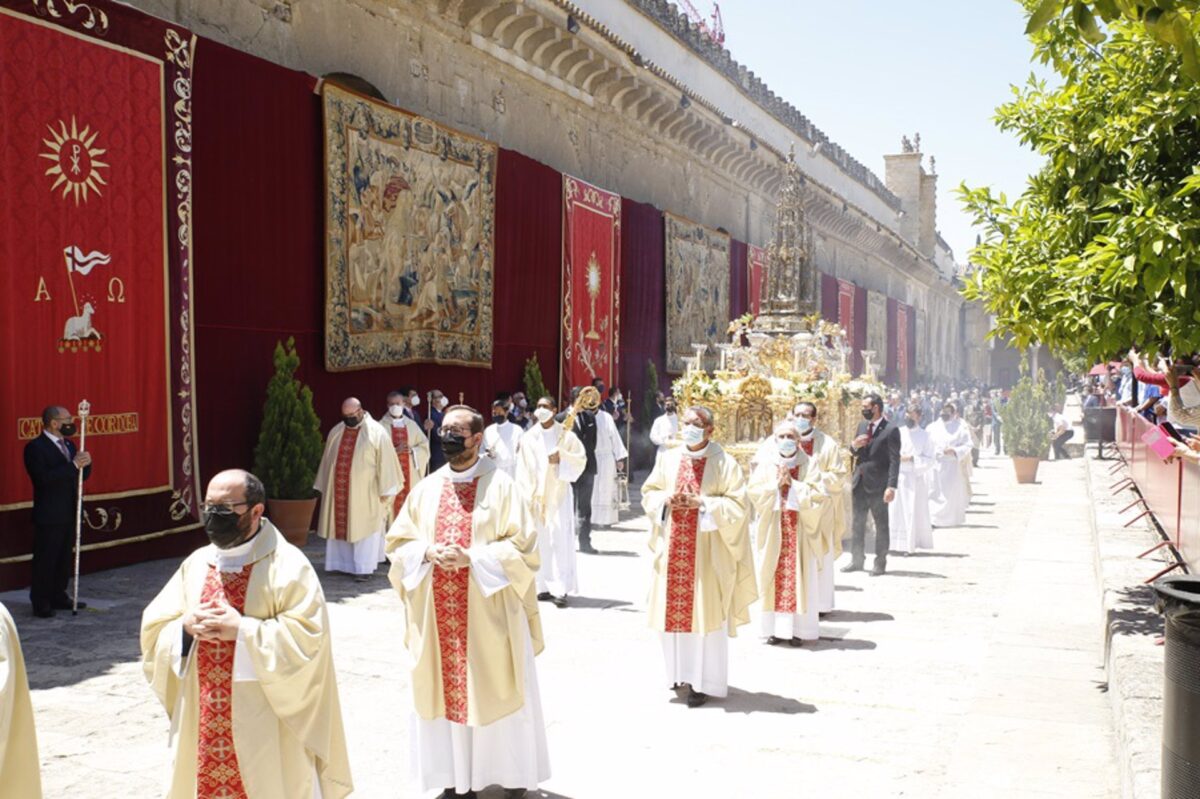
<point x="971" y="671"/>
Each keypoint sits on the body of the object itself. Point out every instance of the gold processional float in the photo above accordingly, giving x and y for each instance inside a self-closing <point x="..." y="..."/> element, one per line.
<point x="788" y="354"/>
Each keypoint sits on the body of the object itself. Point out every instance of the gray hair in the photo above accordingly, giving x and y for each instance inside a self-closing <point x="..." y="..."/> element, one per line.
<point x="787" y="424"/>
<point x="704" y="413"/>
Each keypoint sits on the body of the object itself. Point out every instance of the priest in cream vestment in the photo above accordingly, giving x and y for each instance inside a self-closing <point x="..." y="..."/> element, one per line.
<point x="550" y="459"/>
<point x="237" y="648"/>
<point x="703" y="582"/>
<point x="20" y="777"/>
<point x="464" y="555"/>
<point x="359" y="476"/>
<point x="789" y="503"/>
<point x="411" y="445"/>
<point x="829" y="467"/>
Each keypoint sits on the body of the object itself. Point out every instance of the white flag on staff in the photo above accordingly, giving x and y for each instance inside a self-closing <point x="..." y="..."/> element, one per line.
<point x="78" y="262"/>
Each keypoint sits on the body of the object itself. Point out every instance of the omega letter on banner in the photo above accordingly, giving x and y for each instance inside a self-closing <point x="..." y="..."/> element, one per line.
<point x="95" y="240"/>
<point x="591" y="284"/>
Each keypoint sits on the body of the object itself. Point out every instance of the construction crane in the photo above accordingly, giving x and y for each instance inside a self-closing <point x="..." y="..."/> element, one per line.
<point x="713" y="27"/>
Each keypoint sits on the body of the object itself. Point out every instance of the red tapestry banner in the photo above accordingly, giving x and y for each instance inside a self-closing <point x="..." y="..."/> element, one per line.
<point x="756" y="265"/>
<point x="902" y="344"/>
<point x="591" y="282"/>
<point x="95" y="238"/>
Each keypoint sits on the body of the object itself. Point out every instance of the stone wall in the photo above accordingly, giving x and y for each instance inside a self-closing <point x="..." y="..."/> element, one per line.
<point x="581" y="103"/>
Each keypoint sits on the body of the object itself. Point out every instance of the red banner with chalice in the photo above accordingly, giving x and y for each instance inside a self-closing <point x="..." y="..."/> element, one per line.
<point x="591" y="284"/>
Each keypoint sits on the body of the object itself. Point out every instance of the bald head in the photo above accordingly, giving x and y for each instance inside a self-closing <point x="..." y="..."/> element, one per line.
<point x="351" y="405"/>
<point x="242" y="493"/>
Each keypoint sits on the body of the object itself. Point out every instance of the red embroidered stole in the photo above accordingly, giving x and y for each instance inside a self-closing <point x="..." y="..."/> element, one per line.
<point x="450" y="595"/>
<point x="217" y="773"/>
<point x="807" y="446"/>
<point x="681" y="554"/>
<point x="785" y="567"/>
<point x="400" y="439"/>
<point x="341" y="482"/>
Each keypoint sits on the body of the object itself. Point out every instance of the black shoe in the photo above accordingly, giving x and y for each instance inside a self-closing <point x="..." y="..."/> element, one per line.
<point x="558" y="601"/>
<point x="544" y="596"/>
<point x="680" y="687"/>
<point x="588" y="549"/>
<point x="65" y="604"/>
<point x="44" y="613"/>
<point x="878" y="569"/>
<point x="824" y="613"/>
<point x="514" y="793"/>
<point x="774" y="641"/>
<point x="696" y="699"/>
<point x="853" y="567"/>
<point x="796" y="643"/>
<point x="450" y="794"/>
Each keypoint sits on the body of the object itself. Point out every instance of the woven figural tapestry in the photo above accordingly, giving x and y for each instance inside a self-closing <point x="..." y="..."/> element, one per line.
<point x="697" y="261"/>
<point x="410" y="215"/>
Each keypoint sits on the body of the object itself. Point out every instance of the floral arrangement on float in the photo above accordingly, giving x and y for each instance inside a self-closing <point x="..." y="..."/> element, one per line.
<point x="761" y="375"/>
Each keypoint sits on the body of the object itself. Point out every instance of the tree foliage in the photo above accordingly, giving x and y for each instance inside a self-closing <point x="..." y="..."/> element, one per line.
<point x="289" y="442"/>
<point x="1101" y="249"/>
<point x="1025" y="419"/>
<point x="535" y="388"/>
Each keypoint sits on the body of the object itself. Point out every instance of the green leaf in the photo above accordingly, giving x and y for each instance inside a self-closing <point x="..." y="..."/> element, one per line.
<point x="1048" y="10"/>
<point x="1086" y="24"/>
<point x="1155" y="277"/>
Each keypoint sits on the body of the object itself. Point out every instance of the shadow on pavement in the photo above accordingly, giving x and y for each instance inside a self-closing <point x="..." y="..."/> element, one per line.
<point x="847" y="588"/>
<point x="1140" y="620"/>
<point x="929" y="555"/>
<point x="857" y="615"/>
<point x="595" y="602"/>
<point x="740" y="701"/>
<point x="919" y="575"/>
<point x="611" y="553"/>
<point x="839" y="645"/>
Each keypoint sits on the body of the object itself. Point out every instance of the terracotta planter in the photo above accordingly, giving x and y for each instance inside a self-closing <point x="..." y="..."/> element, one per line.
<point x="1026" y="468"/>
<point x="293" y="517"/>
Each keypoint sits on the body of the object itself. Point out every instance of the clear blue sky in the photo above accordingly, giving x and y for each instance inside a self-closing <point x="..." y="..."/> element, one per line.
<point x="868" y="71"/>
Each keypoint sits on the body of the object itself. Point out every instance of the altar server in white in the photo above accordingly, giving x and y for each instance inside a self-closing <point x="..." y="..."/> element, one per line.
<point x="610" y="455"/>
<point x="908" y="515"/>
<point x="951" y="439"/>
<point x="550" y="459"/>
<point x="500" y="439"/>
<point x="665" y="427"/>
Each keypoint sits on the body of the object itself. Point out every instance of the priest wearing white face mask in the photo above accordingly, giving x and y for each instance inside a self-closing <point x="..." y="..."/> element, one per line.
<point x="550" y="460"/>
<point x="703" y="580"/>
<point x="788" y="501"/>
<point x="828" y="468"/>
<point x="411" y="445"/>
<point x="951" y="441"/>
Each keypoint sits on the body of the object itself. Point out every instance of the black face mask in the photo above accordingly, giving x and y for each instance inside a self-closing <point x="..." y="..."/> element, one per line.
<point x="224" y="526"/>
<point x="67" y="430"/>
<point x="453" y="443"/>
<point x="910" y="423"/>
<point x="499" y="419"/>
<point x="869" y="415"/>
<point x="947" y="417"/>
<point x="351" y="421"/>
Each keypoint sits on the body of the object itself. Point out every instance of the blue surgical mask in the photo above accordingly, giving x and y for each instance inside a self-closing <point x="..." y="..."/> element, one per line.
<point x="803" y="425"/>
<point x="787" y="447"/>
<point x="691" y="435"/>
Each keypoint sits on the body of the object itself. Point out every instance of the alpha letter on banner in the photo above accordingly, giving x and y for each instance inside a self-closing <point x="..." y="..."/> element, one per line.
<point x="591" y="284"/>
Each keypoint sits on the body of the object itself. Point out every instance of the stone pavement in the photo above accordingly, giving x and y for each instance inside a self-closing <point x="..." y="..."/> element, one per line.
<point x="975" y="670"/>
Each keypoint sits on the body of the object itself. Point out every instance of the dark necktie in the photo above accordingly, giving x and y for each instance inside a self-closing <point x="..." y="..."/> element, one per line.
<point x="62" y="444"/>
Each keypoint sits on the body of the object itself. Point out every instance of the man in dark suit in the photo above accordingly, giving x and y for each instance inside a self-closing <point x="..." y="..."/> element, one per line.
<point x="585" y="430"/>
<point x="53" y="464"/>
<point x="876" y="451"/>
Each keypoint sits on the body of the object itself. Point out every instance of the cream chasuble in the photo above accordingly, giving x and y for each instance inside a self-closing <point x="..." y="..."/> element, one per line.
<point x="256" y="717"/>
<point x="20" y="777"/>
<point x="407" y="434"/>
<point x="703" y="568"/>
<point x="549" y="500"/>
<point x="359" y="468"/>
<point x="790" y="540"/>
<point x="481" y="671"/>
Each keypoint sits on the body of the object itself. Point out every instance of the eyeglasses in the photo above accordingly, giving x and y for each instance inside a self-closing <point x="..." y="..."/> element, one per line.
<point x="214" y="507"/>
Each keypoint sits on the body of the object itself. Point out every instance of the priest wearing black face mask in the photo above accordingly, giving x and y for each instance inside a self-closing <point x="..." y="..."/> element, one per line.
<point x="53" y="464"/>
<point x="241" y="632"/>
<point x="876" y="451"/>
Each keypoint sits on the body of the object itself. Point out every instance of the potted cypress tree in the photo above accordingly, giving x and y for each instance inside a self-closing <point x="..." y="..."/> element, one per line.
<point x="1026" y="427"/>
<point x="289" y="447"/>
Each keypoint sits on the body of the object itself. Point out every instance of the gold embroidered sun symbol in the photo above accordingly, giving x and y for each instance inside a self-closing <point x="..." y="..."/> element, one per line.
<point x="76" y="167"/>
